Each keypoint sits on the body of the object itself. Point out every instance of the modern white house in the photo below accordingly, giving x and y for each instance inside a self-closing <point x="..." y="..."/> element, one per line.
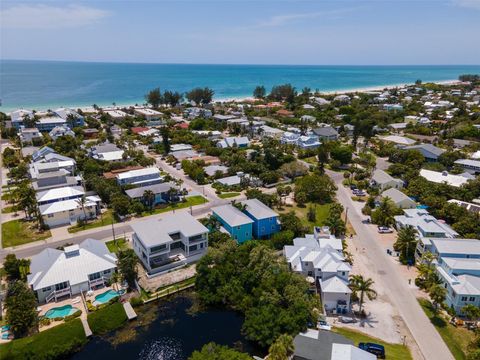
<point x="56" y="274"/>
<point x="42" y="167"/>
<point x="140" y="177"/>
<point x="106" y="152"/>
<point x="302" y="141"/>
<point x="320" y="256"/>
<point x="29" y="134"/>
<point x="116" y="114"/>
<point x="18" y="116"/>
<point x="148" y="114"/>
<point x="444" y="177"/>
<point x="69" y="212"/>
<point x="384" y="181"/>
<point x="174" y="240"/>
<point x="59" y="194"/>
<point x="426" y="225"/>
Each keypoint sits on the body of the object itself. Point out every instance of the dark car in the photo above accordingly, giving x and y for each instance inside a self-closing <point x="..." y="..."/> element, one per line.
<point x="353" y="187"/>
<point x="372" y="348"/>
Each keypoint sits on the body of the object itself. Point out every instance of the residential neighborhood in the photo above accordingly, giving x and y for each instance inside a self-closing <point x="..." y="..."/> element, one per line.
<point x="314" y="223"/>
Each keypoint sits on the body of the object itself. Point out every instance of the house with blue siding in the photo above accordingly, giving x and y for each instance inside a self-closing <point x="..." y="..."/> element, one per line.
<point x="235" y="222"/>
<point x="265" y="220"/>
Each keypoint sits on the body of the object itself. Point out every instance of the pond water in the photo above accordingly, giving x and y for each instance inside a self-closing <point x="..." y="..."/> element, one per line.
<point x="170" y="330"/>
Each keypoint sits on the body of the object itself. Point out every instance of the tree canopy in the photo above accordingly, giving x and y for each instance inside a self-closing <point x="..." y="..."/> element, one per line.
<point x="253" y="279"/>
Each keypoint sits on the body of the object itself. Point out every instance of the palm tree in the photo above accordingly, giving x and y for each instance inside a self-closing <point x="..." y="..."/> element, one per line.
<point x="282" y="348"/>
<point x="364" y="286"/>
<point x="238" y="205"/>
<point x="149" y="198"/>
<point x="386" y="209"/>
<point x="115" y="278"/>
<point x="438" y="294"/>
<point x="213" y="223"/>
<point x="472" y="312"/>
<point x="82" y="202"/>
<point x="406" y="243"/>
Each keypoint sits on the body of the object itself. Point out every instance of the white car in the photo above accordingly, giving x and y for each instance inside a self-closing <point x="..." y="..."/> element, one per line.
<point x="346" y="319"/>
<point x="323" y="325"/>
<point x="384" y="230"/>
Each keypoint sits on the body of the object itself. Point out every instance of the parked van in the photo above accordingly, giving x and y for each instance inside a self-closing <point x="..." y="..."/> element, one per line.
<point x="375" y="349"/>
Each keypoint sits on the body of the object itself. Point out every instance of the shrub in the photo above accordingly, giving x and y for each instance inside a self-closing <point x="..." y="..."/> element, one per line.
<point x="107" y="318"/>
<point x="45" y="321"/>
<point x="73" y="316"/>
<point x="136" y="301"/>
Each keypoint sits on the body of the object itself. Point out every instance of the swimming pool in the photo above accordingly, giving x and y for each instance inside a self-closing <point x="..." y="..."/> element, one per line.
<point x="60" y="312"/>
<point x="106" y="297"/>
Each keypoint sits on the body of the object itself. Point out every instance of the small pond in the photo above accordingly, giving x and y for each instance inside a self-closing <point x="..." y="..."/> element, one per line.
<point x="170" y="330"/>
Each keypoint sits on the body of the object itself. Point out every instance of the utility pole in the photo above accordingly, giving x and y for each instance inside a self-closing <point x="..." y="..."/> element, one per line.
<point x="346" y="216"/>
<point x="113" y="231"/>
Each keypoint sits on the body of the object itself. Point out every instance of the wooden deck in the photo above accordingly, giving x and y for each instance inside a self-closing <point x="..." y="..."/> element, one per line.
<point x="131" y="314"/>
<point x="88" y="331"/>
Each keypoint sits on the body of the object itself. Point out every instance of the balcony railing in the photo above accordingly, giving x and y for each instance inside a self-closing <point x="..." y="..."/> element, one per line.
<point x="54" y="295"/>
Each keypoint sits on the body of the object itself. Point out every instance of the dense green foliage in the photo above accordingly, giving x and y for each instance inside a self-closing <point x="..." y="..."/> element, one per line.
<point x="314" y="188"/>
<point x="212" y="351"/>
<point x="127" y="266"/>
<point x="55" y="343"/>
<point x="107" y="319"/>
<point x="21" y="308"/>
<point x="252" y="279"/>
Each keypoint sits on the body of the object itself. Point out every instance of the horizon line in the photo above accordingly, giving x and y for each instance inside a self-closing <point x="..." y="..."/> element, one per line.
<point x="218" y="64"/>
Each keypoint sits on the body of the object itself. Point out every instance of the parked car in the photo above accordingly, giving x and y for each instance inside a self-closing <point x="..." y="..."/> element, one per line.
<point x="353" y="187"/>
<point x="346" y="319"/>
<point x="323" y="325"/>
<point x="372" y="348"/>
<point x="384" y="230"/>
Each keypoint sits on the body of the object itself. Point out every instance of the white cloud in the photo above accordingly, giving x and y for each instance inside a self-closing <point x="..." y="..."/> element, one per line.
<point x="281" y="20"/>
<point x="29" y="16"/>
<point x="471" y="4"/>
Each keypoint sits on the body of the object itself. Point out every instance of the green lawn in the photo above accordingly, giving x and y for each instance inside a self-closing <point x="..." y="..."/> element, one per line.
<point x="106" y="219"/>
<point x="57" y="342"/>
<point x="392" y="351"/>
<point x="321" y="213"/>
<point x="107" y="319"/>
<point x="189" y="201"/>
<point x="228" y="195"/>
<point x="116" y="245"/>
<point x="18" y="232"/>
<point x="456" y="338"/>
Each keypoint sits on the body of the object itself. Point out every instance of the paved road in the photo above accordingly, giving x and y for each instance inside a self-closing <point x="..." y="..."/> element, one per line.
<point x="429" y="341"/>
<point x="105" y="232"/>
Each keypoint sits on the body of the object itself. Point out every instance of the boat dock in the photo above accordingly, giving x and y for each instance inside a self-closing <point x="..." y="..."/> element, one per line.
<point x="86" y="327"/>
<point x="131" y="314"/>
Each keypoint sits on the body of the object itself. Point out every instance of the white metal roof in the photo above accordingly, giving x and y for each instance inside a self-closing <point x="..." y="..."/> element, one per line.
<point x="139" y="172"/>
<point x="441" y="177"/>
<point x="60" y="193"/>
<point x="52" y="266"/>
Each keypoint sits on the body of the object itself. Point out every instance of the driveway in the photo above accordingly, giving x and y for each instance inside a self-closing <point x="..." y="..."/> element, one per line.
<point x="390" y="281"/>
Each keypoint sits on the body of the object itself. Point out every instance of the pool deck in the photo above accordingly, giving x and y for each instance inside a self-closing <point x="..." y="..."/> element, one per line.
<point x="131" y="314"/>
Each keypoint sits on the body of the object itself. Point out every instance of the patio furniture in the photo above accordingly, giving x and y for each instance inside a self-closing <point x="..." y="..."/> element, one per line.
<point x="90" y="293"/>
<point x="5" y="328"/>
<point x="76" y="300"/>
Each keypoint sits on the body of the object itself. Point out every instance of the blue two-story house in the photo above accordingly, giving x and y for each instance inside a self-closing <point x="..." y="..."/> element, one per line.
<point x="265" y="220"/>
<point x="238" y="225"/>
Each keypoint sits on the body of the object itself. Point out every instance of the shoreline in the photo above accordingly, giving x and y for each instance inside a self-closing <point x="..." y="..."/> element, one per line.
<point x="87" y="108"/>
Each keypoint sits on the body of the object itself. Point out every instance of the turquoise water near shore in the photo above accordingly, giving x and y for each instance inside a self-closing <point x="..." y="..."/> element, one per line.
<point x="49" y="84"/>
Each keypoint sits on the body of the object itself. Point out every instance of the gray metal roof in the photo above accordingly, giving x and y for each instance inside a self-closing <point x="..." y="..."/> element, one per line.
<point x="258" y="209"/>
<point x="325" y="131"/>
<point x="157" y="232"/>
<point x="157" y="189"/>
<point x="309" y="347"/>
<point x="231" y="215"/>
<point x="396" y="195"/>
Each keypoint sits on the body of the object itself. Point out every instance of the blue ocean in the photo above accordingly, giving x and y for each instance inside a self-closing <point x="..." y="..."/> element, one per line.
<point x="49" y="84"/>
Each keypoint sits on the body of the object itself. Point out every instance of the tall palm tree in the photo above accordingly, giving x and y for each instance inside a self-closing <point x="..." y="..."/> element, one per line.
<point x="406" y="243"/>
<point x="438" y="294"/>
<point x="82" y="202"/>
<point x="359" y="284"/>
<point x="149" y="198"/>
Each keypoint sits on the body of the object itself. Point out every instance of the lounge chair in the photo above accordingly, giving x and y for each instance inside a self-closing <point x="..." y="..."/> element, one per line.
<point x="5" y="328"/>
<point x="76" y="300"/>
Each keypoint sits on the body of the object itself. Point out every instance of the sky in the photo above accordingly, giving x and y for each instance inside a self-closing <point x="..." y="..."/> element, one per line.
<point x="338" y="32"/>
